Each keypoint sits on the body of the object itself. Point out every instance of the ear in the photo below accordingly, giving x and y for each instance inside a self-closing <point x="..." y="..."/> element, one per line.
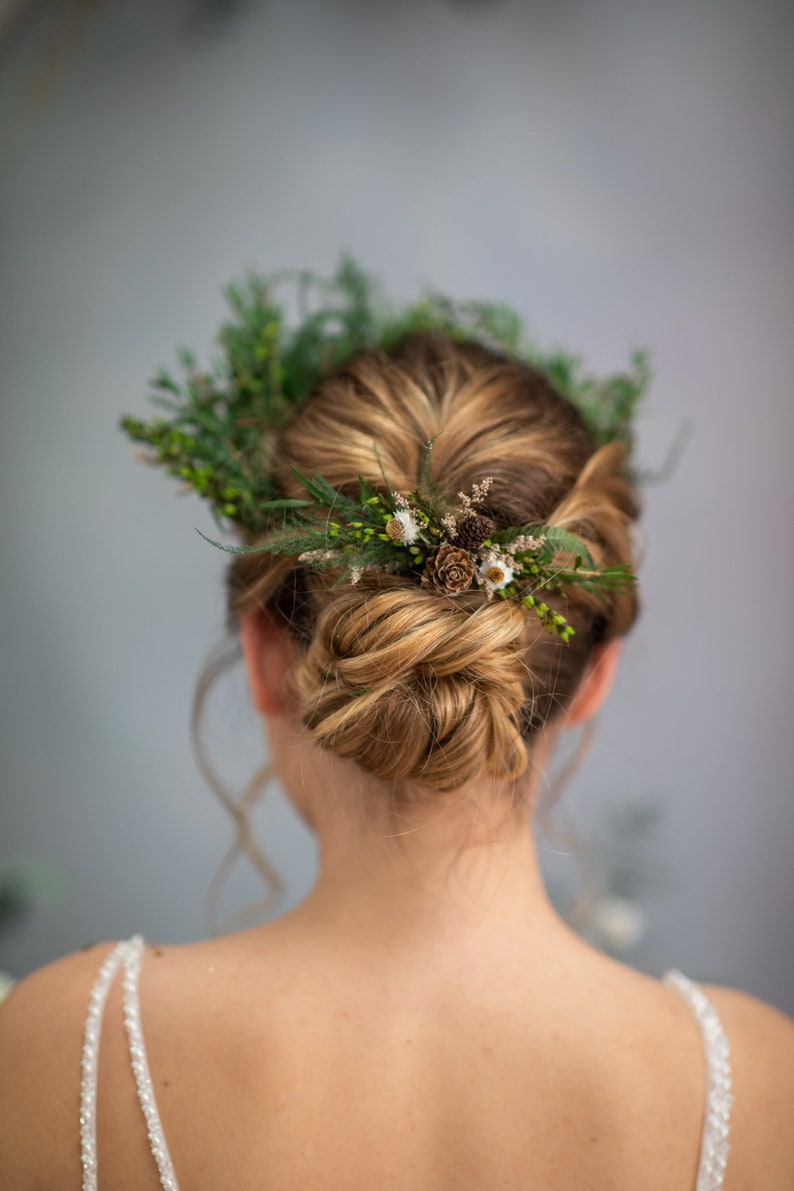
<point x="269" y="654"/>
<point x="595" y="685"/>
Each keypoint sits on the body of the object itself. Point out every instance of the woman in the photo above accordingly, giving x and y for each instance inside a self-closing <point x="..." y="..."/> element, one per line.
<point x="419" y="624"/>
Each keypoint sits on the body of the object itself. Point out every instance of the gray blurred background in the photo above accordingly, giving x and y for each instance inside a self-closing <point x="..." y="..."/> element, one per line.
<point x="621" y="173"/>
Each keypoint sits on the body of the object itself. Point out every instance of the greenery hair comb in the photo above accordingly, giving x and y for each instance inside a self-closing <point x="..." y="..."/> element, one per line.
<point x="214" y="438"/>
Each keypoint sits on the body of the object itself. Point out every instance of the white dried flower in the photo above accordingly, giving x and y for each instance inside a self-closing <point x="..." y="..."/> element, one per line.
<point x="410" y="526"/>
<point x="480" y="491"/>
<point x="468" y="505"/>
<point x="317" y="556"/>
<point x="526" y="542"/>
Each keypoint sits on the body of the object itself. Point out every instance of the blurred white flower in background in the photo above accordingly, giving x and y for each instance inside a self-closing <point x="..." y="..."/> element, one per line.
<point x="617" y="924"/>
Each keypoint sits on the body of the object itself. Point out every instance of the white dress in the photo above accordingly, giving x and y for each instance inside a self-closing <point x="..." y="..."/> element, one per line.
<point x="716" y="1122"/>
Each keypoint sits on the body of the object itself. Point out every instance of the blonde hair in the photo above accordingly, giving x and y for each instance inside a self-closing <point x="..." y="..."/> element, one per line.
<point x="415" y="686"/>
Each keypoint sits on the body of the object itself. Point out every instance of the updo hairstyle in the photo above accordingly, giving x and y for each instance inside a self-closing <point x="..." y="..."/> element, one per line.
<point x="415" y="686"/>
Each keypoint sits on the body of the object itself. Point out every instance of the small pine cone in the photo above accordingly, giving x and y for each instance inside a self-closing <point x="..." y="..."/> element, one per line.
<point x="448" y="569"/>
<point x="473" y="530"/>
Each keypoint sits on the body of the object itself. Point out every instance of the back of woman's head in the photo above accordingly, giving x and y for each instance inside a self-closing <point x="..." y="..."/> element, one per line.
<point x="416" y="685"/>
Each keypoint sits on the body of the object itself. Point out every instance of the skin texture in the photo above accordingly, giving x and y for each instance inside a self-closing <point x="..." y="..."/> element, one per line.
<point x="423" y="1020"/>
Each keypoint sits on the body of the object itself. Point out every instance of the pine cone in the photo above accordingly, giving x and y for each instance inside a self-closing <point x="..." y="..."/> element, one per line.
<point x="473" y="531"/>
<point x="448" y="569"/>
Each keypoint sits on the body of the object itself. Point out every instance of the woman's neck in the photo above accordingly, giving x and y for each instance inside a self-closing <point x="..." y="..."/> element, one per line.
<point x="453" y="872"/>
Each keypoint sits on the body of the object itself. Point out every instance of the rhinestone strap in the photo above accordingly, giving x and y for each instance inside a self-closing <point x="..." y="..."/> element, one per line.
<point x="140" y="1065"/>
<point x="716" y="1125"/>
<point x="88" y="1081"/>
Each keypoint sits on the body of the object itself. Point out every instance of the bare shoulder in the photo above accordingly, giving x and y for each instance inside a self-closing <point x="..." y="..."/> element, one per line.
<point x="37" y="1007"/>
<point x="758" y="1030"/>
<point x="41" y="1037"/>
<point x="761" y="1040"/>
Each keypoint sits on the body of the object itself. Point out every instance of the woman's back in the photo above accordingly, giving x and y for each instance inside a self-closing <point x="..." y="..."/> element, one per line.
<point x="281" y="1062"/>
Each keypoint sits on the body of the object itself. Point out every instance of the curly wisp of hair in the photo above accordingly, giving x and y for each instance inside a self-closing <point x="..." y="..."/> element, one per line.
<point x="418" y="687"/>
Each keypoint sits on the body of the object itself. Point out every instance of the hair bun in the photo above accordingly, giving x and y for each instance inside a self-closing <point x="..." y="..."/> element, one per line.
<point x="416" y="688"/>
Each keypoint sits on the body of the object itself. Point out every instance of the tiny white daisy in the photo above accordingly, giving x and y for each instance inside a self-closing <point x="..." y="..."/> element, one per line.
<point x="495" y="573"/>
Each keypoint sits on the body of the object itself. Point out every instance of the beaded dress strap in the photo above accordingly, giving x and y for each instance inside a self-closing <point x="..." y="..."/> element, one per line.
<point x="717" y="1118"/>
<point x="88" y="1081"/>
<point x="140" y="1064"/>
<point x="128" y="955"/>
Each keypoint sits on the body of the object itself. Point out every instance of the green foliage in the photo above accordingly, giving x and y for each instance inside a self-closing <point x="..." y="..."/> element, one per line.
<point x="219" y="424"/>
<point x="218" y="432"/>
<point x="218" y="435"/>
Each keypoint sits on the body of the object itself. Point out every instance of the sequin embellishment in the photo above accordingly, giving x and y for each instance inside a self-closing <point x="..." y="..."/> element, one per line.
<point x="716" y="1126"/>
